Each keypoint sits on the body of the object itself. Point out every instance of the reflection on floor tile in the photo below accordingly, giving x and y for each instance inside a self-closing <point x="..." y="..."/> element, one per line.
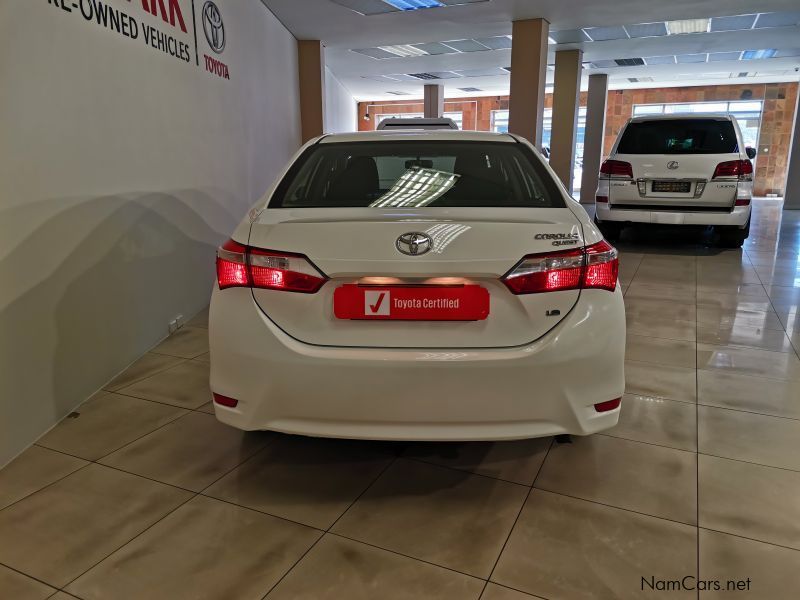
<point x="743" y="335"/>
<point x="185" y="385"/>
<point x="106" y="422"/>
<point x="754" y="394"/>
<point x="517" y="461"/>
<point x="440" y="515"/>
<point x="773" y="572"/>
<point x="16" y="586"/>
<point x="59" y="532"/>
<point x="645" y="478"/>
<point x="771" y="441"/>
<point x="339" y="568"/>
<point x="749" y="361"/>
<point x="205" y="549"/>
<point x="148" y="365"/>
<point x="750" y="500"/>
<point x="32" y="470"/>
<point x="657" y="421"/>
<point x="568" y="548"/>
<point x="311" y="481"/>
<point x="660" y="381"/>
<point x="187" y="342"/>
<point x="191" y="452"/>
<point x="660" y="351"/>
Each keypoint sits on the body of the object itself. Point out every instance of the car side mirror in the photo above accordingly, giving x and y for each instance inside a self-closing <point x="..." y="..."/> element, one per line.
<point x="751" y="152"/>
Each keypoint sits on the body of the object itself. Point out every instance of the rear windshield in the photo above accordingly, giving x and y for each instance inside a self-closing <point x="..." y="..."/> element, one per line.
<point x="679" y="136"/>
<point x="395" y="174"/>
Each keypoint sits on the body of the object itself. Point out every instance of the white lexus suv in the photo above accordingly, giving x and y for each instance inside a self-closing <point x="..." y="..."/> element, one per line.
<point x="418" y="285"/>
<point x="685" y="169"/>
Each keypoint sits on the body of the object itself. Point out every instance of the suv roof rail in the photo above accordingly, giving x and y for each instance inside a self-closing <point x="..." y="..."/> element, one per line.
<point x="417" y="123"/>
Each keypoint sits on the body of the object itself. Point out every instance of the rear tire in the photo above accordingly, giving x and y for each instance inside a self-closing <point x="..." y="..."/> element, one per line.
<point x="733" y="237"/>
<point x="611" y="230"/>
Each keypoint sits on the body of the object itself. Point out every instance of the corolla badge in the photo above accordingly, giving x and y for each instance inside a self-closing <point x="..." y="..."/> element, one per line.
<point x="414" y="243"/>
<point x="673" y="164"/>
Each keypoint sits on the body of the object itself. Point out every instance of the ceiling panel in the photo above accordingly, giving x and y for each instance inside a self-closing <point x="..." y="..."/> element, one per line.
<point x="366" y="7"/>
<point x="374" y="53"/>
<point x="733" y="23"/>
<point x="778" y="19"/>
<point x="599" y="34"/>
<point x="569" y="36"/>
<point x="660" y="60"/>
<point x="691" y="58"/>
<point x="718" y="56"/>
<point x="642" y="30"/>
<point x="500" y="42"/>
<point x="434" y="48"/>
<point x="466" y="45"/>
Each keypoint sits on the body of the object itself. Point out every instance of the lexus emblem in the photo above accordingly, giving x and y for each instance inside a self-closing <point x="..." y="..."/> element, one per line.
<point x="213" y="27"/>
<point x="673" y="164"/>
<point x="414" y="243"/>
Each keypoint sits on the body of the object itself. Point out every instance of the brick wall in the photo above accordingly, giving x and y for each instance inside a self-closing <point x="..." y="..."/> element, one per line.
<point x="774" y="138"/>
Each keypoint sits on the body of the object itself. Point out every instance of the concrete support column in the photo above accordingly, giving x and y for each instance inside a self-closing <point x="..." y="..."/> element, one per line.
<point x="311" y="67"/>
<point x="791" y="194"/>
<point x="528" y="73"/>
<point x="593" y="138"/>
<point x="566" y="100"/>
<point x="434" y="100"/>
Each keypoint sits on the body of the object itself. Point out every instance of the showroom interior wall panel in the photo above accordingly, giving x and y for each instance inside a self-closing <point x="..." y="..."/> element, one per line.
<point x="122" y="167"/>
<point x="340" y="107"/>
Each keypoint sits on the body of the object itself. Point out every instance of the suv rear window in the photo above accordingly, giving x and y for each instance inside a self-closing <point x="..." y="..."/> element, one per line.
<point x="396" y="174"/>
<point x="679" y="136"/>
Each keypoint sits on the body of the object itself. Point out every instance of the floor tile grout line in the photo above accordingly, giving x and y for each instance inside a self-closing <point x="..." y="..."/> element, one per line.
<point x="29" y="576"/>
<point x="192" y="497"/>
<point x="752" y="539"/>
<point x="468" y="472"/>
<point x="51" y="483"/>
<point x="627" y="439"/>
<point x="697" y="442"/>
<point x="519" y="513"/>
<point x="397" y="553"/>
<point x="326" y="531"/>
<point x="138" y="380"/>
<point x="742" y="410"/>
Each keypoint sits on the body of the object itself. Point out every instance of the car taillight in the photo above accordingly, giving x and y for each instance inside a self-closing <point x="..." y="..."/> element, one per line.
<point x="742" y="201"/>
<point x="616" y="168"/>
<point x="742" y="169"/>
<point x="601" y="199"/>
<point x="595" y="266"/>
<point x="244" y="266"/>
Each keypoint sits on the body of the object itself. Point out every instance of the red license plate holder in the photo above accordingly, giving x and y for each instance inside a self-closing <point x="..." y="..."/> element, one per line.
<point x="411" y="303"/>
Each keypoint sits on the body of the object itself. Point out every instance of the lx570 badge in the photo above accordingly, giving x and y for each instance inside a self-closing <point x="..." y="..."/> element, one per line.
<point x="559" y="239"/>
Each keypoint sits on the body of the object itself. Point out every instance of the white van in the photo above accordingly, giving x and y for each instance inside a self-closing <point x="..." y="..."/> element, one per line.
<point x="686" y="169"/>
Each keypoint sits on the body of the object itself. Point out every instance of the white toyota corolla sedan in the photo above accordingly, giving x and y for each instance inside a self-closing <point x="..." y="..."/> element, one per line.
<point x="418" y="285"/>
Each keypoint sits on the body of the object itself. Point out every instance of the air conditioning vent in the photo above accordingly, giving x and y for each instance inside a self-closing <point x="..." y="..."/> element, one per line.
<point x="423" y="75"/>
<point x="399" y="93"/>
<point x="470" y="89"/>
<point x="629" y="62"/>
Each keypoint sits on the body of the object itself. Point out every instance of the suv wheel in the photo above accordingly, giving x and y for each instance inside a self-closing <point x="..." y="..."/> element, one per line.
<point x="733" y="237"/>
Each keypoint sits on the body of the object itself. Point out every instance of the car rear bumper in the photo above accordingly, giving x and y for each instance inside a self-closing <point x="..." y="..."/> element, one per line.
<point x="737" y="217"/>
<point x="547" y="387"/>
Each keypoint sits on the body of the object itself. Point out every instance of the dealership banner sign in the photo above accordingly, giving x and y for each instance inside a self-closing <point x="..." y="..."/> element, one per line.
<point x="170" y="36"/>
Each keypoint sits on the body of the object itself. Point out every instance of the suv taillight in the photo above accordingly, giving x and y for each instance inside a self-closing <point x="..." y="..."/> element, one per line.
<point x="245" y="266"/>
<point x="742" y="169"/>
<point x="595" y="266"/>
<point x="616" y="168"/>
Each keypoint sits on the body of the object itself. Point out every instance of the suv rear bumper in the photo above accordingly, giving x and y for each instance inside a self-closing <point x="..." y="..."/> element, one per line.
<point x="543" y="388"/>
<point x="738" y="217"/>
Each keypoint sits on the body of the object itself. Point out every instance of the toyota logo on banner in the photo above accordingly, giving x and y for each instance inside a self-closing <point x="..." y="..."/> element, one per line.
<point x="213" y="27"/>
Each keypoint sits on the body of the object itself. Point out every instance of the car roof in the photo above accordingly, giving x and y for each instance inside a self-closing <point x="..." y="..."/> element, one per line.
<point x="417" y="134"/>
<point x="719" y="116"/>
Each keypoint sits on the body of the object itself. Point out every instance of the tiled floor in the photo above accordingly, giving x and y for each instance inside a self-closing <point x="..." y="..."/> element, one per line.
<point x="143" y="495"/>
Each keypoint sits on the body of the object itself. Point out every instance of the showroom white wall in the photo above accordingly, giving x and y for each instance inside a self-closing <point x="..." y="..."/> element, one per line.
<point x="341" y="109"/>
<point x="124" y="161"/>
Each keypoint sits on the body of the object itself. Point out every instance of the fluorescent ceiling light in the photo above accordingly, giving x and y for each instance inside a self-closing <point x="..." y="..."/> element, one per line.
<point x="404" y="50"/>
<point x="414" y="4"/>
<point x="756" y="54"/>
<point x="688" y="26"/>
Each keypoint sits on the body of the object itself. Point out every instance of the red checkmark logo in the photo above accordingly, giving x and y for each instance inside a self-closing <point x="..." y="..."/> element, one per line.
<point x="376" y="307"/>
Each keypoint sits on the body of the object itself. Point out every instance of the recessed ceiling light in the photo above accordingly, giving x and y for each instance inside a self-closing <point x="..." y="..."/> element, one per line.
<point x="404" y="50"/>
<point x="470" y="89"/>
<point x="756" y="54"/>
<point x="688" y="26"/>
<point x="414" y="4"/>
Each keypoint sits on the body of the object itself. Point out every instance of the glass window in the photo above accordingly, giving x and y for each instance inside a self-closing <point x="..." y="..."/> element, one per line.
<point x="500" y="121"/>
<point x="679" y="136"/>
<point x="416" y="174"/>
